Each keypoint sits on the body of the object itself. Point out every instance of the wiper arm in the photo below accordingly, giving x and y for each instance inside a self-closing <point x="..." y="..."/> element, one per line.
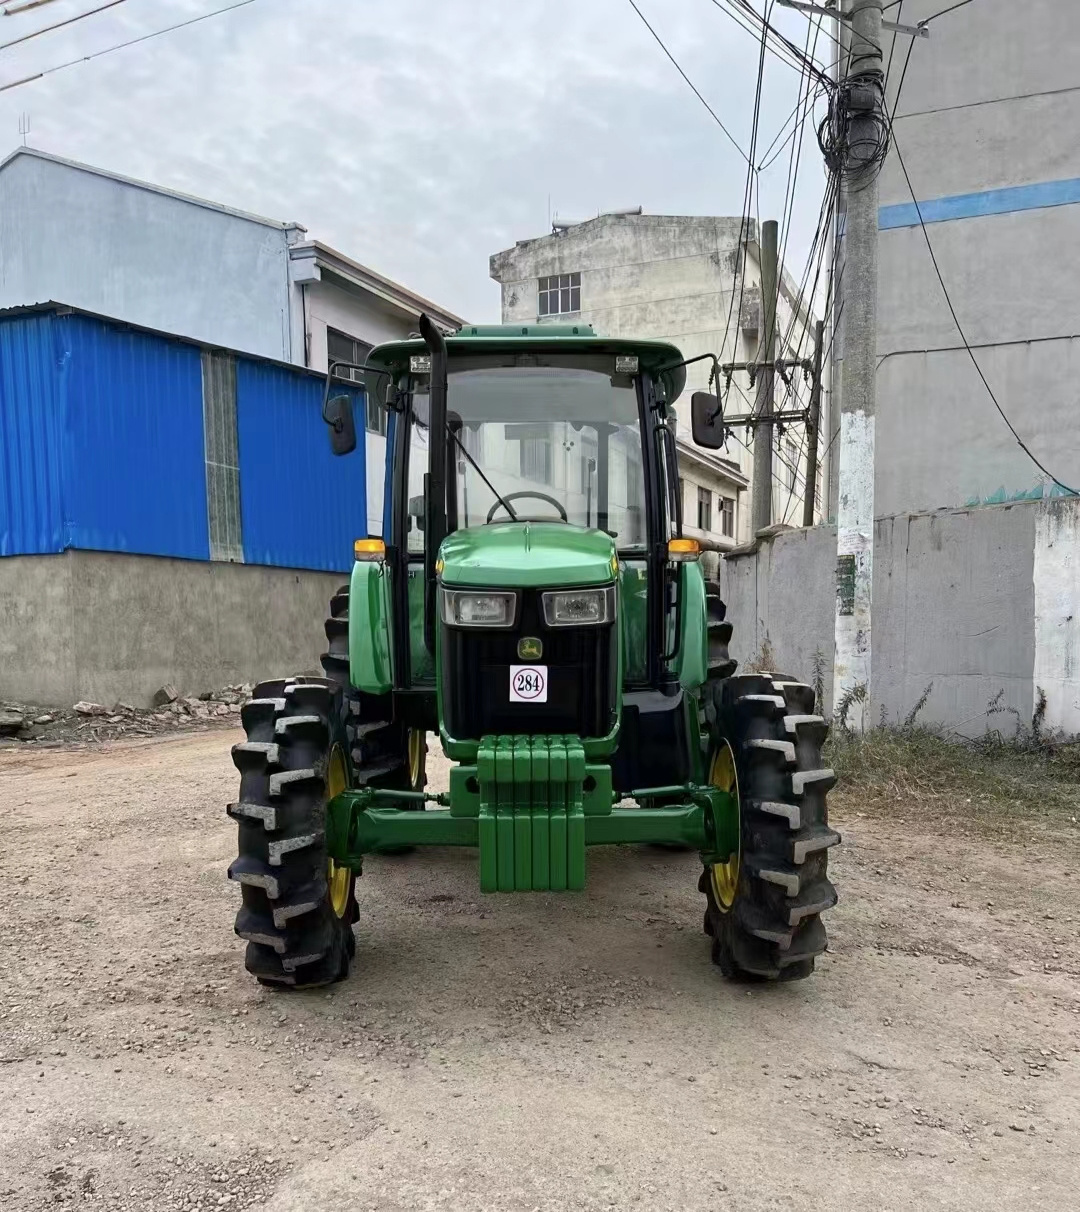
<point x="495" y="492"/>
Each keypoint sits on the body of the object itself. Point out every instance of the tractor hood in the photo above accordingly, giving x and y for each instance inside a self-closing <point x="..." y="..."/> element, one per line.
<point x="520" y="554"/>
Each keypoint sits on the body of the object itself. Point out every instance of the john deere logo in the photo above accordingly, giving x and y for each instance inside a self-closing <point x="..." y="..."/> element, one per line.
<point x="530" y="648"/>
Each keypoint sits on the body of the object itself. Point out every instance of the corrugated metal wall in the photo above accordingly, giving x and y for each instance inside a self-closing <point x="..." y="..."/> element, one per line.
<point x="136" y="476"/>
<point x="301" y="506"/>
<point x="102" y="447"/>
<point x="31" y="431"/>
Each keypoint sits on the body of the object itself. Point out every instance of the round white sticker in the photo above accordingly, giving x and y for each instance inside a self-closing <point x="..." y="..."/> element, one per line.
<point x="528" y="683"/>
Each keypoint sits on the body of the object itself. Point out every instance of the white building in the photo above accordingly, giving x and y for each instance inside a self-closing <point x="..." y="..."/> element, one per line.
<point x="678" y="278"/>
<point x="159" y="259"/>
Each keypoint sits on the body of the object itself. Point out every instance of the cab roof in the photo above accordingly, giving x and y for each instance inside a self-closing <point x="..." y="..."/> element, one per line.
<point x="481" y="339"/>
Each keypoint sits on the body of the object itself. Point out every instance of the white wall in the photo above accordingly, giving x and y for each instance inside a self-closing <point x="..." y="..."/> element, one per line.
<point x="89" y="241"/>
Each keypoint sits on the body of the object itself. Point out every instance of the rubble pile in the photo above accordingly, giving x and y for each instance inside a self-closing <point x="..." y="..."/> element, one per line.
<point x="50" y="727"/>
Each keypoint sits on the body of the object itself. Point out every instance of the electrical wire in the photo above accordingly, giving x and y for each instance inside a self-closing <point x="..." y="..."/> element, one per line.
<point x="777" y="38"/>
<point x="744" y="214"/>
<point x="47" y="29"/>
<point x="48" y="71"/>
<point x="950" y="9"/>
<point x="675" y="63"/>
<point x="14" y="10"/>
<point x="736" y="13"/>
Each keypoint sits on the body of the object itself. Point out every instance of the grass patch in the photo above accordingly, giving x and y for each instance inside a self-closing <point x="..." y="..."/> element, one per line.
<point x="915" y="774"/>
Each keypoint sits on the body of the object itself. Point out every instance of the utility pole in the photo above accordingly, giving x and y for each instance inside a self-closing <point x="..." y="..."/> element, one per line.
<point x="761" y="511"/>
<point x="864" y="101"/>
<point x="813" y="425"/>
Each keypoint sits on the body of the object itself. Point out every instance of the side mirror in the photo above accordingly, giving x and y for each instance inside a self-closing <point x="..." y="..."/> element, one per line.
<point x="339" y="416"/>
<point x="707" y="420"/>
<point x="416" y="510"/>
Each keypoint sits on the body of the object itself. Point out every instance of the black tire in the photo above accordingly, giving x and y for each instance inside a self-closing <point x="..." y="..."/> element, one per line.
<point x="772" y="929"/>
<point x="294" y="937"/>
<point x="719" y="633"/>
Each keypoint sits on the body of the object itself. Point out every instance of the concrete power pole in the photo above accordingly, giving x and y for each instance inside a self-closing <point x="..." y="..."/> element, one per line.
<point x="761" y="511"/>
<point x="855" y="511"/>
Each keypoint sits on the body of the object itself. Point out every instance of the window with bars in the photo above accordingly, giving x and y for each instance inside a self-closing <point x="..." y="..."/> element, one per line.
<point x="559" y="295"/>
<point x="222" y="454"/>
<point x="342" y="348"/>
<point x="704" y="509"/>
<point x="727" y="517"/>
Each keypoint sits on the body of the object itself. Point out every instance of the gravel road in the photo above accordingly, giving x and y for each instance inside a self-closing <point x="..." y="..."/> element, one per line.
<point x="522" y="1052"/>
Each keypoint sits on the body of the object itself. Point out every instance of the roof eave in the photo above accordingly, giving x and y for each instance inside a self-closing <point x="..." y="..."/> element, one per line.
<point x="355" y="276"/>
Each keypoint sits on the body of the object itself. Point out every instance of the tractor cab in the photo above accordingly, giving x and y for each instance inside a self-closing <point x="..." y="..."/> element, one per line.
<point x="531" y="500"/>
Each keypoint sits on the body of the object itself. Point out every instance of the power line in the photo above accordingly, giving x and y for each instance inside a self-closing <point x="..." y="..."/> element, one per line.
<point x="951" y="8"/>
<point x="776" y="38"/>
<point x="47" y="29"/>
<point x="744" y="214"/>
<point x="743" y="22"/>
<point x="13" y="10"/>
<point x="675" y="63"/>
<point x="48" y="71"/>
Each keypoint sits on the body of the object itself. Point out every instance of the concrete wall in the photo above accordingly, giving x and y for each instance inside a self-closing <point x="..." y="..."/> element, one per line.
<point x="140" y="255"/>
<point x="986" y="104"/>
<point x="671" y="277"/>
<point x="978" y="602"/>
<point x="108" y="627"/>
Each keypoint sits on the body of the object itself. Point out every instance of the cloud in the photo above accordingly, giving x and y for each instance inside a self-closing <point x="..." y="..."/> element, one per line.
<point x="417" y="136"/>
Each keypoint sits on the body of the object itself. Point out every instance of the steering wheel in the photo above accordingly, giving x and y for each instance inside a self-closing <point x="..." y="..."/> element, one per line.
<point x="543" y="496"/>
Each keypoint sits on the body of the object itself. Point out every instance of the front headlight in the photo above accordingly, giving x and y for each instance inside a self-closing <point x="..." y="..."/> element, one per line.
<point x="468" y="609"/>
<point x="579" y="607"/>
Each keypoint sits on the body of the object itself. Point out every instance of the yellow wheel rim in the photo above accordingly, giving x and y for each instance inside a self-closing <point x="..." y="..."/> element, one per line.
<point x="725" y="876"/>
<point x="417" y="745"/>
<point x="339" y="879"/>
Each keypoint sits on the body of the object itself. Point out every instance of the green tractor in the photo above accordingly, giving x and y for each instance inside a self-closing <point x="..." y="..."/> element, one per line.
<point x="532" y="601"/>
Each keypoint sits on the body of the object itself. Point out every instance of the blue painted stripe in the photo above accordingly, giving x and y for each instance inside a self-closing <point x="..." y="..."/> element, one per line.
<point x="987" y="202"/>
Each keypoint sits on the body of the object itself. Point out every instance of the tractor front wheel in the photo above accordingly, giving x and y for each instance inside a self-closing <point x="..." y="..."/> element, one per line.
<point x="298" y="905"/>
<point x="763" y="904"/>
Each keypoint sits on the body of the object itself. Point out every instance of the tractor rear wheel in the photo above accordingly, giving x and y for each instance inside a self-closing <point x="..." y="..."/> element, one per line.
<point x="764" y="904"/>
<point x="298" y="905"/>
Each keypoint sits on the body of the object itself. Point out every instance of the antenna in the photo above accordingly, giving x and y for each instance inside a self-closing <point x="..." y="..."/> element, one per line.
<point x="24" y="126"/>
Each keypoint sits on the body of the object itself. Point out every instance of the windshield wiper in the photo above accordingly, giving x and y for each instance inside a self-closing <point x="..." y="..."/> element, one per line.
<point x="501" y="499"/>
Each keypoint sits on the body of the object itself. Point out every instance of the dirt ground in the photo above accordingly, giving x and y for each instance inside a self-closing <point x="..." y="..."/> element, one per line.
<point x="521" y="1052"/>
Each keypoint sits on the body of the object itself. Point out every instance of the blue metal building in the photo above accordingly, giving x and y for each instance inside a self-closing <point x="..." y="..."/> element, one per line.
<point x="119" y="439"/>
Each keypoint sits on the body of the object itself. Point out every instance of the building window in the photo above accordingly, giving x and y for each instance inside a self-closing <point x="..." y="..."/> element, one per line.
<point x="535" y="459"/>
<point x="704" y="509"/>
<point x="559" y="294"/>
<point x="222" y="453"/>
<point x="343" y="348"/>
<point x="727" y="517"/>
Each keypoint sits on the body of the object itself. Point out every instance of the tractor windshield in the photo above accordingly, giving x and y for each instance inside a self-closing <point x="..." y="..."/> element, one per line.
<point x="557" y="442"/>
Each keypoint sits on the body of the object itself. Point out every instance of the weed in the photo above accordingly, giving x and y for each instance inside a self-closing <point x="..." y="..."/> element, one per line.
<point x="915" y="774"/>
<point x="765" y="661"/>
<point x="851" y="696"/>
<point x="818" y="666"/>
<point x="920" y="703"/>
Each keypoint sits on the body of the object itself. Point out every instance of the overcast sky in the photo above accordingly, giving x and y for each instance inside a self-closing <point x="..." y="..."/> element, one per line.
<point x="417" y="136"/>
